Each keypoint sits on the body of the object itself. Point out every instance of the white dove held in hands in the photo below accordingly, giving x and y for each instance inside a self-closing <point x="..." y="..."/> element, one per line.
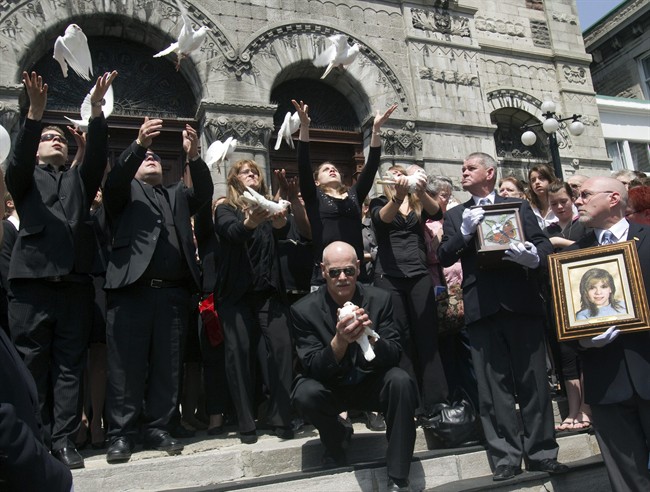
<point x="252" y="197"/>
<point x="368" y="352"/>
<point x="339" y="54"/>
<point x="72" y="50"/>
<point x="5" y="143"/>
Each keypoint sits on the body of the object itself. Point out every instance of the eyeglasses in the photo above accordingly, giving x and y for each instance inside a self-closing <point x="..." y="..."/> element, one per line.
<point x="336" y="272"/>
<point x="246" y="172"/>
<point x="155" y="157"/>
<point x="46" y="137"/>
<point x="588" y="195"/>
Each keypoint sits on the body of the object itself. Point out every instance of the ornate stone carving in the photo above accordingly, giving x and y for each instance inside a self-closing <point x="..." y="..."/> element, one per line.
<point x="11" y="28"/>
<point x="500" y="26"/>
<point x="34" y="12"/>
<point x="249" y="131"/>
<point x="449" y="77"/>
<point x="541" y="36"/>
<point x="242" y="64"/>
<point x="524" y="71"/>
<point x="567" y="18"/>
<point x="575" y="75"/>
<point x="440" y="21"/>
<point x="402" y="142"/>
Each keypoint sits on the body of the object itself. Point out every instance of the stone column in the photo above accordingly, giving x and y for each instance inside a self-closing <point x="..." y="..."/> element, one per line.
<point x="250" y="125"/>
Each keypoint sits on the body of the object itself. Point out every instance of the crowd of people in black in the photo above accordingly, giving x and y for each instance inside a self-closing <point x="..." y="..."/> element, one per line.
<point x="144" y="313"/>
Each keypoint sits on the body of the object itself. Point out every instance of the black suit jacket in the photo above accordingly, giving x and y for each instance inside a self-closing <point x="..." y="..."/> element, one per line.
<point x="55" y="236"/>
<point x="613" y="372"/>
<point x="136" y="219"/>
<point x="314" y="322"/>
<point x="485" y="291"/>
<point x="25" y="462"/>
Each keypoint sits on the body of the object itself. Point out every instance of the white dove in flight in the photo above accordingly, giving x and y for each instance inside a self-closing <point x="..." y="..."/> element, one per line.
<point x="252" y="197"/>
<point x="86" y="109"/>
<point x="339" y="54"/>
<point x="289" y="126"/>
<point x="72" y="50"/>
<point x="189" y="40"/>
<point x="368" y="352"/>
<point x="5" y="143"/>
<point x="219" y="151"/>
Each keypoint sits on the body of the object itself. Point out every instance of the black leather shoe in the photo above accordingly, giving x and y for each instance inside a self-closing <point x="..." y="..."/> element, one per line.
<point x="216" y="431"/>
<point x="548" y="465"/>
<point x="163" y="442"/>
<point x="284" y="433"/>
<point x="396" y="485"/>
<point x="70" y="457"/>
<point x="334" y="459"/>
<point x="505" y="472"/>
<point x="119" y="451"/>
<point x="249" y="437"/>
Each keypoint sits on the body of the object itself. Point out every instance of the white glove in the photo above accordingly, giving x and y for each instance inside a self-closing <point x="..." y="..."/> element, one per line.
<point x="601" y="340"/>
<point x="472" y="217"/>
<point x="523" y="253"/>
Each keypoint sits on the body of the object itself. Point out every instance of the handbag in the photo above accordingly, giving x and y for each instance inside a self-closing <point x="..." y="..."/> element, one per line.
<point x="211" y="321"/>
<point x="451" y="310"/>
<point x="456" y="423"/>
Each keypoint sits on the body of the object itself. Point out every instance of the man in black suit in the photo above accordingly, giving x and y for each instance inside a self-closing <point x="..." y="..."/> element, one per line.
<point x="151" y="274"/>
<point x="336" y="376"/>
<point x="616" y="369"/>
<point x="504" y="315"/>
<point x="51" y="292"/>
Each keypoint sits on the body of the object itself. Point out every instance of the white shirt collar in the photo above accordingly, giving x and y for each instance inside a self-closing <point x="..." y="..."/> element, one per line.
<point x="619" y="230"/>
<point x="15" y="221"/>
<point x="490" y="197"/>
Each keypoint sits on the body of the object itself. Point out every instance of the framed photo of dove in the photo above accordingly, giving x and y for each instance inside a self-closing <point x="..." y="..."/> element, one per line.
<point x="595" y="288"/>
<point x="501" y="226"/>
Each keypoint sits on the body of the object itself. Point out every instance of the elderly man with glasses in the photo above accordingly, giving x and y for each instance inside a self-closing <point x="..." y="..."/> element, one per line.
<point x="337" y="374"/>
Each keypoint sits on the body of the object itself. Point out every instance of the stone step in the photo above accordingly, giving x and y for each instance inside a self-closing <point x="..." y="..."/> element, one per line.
<point x="223" y="463"/>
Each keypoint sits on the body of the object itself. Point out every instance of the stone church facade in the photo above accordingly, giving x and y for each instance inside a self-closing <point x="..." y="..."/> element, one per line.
<point x="466" y="75"/>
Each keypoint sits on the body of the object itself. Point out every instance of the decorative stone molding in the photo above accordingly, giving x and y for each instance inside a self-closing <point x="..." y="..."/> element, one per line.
<point x="440" y="21"/>
<point x="513" y="98"/>
<point x="402" y="142"/>
<point x="519" y="70"/>
<point x="566" y="18"/>
<point x="500" y="26"/>
<point x="575" y="75"/>
<point x="602" y="29"/>
<point x="249" y="131"/>
<point x="541" y="36"/>
<point x="262" y="45"/>
<point x="449" y="77"/>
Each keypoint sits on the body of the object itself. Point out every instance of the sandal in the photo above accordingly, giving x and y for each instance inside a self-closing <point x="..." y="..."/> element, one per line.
<point x="583" y="423"/>
<point x="567" y="424"/>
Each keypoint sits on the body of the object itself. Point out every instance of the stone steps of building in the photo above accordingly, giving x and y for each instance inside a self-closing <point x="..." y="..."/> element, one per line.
<point x="223" y="463"/>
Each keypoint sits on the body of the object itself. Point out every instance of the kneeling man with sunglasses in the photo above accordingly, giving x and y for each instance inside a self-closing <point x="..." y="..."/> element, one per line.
<point x="336" y="375"/>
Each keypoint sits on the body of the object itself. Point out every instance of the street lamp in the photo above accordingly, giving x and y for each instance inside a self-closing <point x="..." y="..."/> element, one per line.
<point x="551" y="125"/>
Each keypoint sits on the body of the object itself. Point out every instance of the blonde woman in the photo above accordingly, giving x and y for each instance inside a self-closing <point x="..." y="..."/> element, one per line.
<point x="401" y="269"/>
<point x="250" y="302"/>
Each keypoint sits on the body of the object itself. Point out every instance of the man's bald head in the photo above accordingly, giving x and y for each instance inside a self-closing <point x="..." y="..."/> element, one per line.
<point x="340" y="269"/>
<point x="602" y="202"/>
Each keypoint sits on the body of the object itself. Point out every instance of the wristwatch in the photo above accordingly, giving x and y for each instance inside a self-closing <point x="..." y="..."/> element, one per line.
<point x="98" y="104"/>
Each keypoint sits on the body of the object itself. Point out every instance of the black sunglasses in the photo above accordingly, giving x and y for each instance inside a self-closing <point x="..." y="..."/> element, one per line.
<point x="336" y="272"/>
<point x="46" y="137"/>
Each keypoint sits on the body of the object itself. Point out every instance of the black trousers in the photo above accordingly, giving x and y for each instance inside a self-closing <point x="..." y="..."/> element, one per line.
<point x="144" y="329"/>
<point x="623" y="433"/>
<point x="509" y="358"/>
<point x="252" y="320"/>
<point x="392" y="392"/>
<point x="414" y="310"/>
<point x="215" y="382"/>
<point x="50" y="326"/>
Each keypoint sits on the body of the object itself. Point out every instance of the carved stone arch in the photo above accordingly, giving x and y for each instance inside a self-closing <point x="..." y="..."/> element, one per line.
<point x="28" y="29"/>
<point x="271" y="51"/>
